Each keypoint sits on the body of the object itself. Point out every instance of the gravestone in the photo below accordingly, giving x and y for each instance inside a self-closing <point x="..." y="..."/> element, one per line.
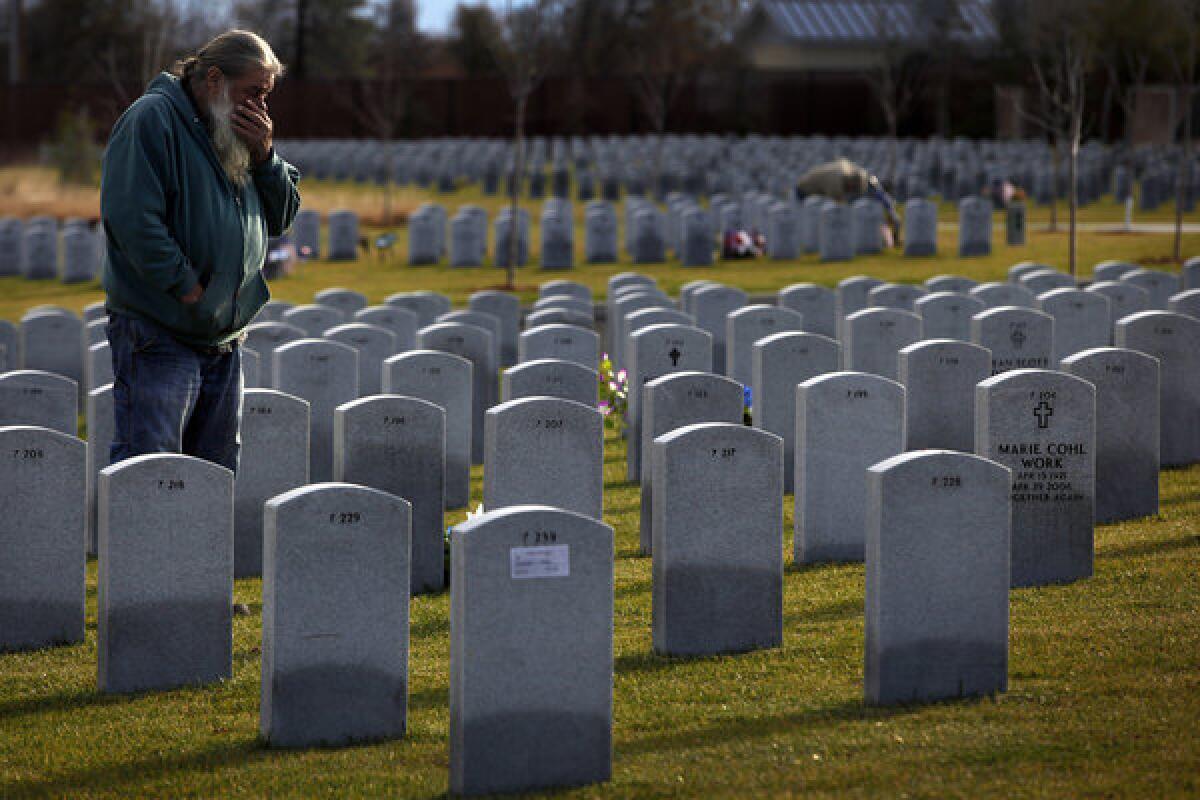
<point x="1082" y="320"/>
<point x="845" y="422"/>
<point x="1018" y="338"/>
<point x="468" y="244"/>
<point x="273" y="311"/>
<point x="502" y="254"/>
<point x="98" y="366"/>
<point x="306" y="233"/>
<point x="783" y="232"/>
<point x="274" y="459"/>
<point x="559" y="316"/>
<point x="545" y="451"/>
<point x="251" y="364"/>
<point x="920" y="228"/>
<point x="1186" y="302"/>
<point x="565" y="342"/>
<point x="1019" y="270"/>
<point x="480" y="319"/>
<point x="1190" y="273"/>
<point x="397" y="445"/>
<point x="710" y="306"/>
<point x="656" y="351"/>
<point x="445" y="380"/>
<point x="781" y="362"/>
<point x="903" y="296"/>
<point x="676" y="401"/>
<point x="43" y="538"/>
<point x="558" y="239"/>
<point x="1111" y="270"/>
<point x="939" y="378"/>
<point x="1161" y="285"/>
<point x="477" y="346"/>
<point x="39" y="249"/>
<point x="871" y="339"/>
<point x="335" y="617"/>
<point x="950" y="283"/>
<point x="348" y="301"/>
<point x="974" y="227"/>
<point x="506" y="308"/>
<point x="1127" y="429"/>
<point x="947" y="315"/>
<point x="400" y="321"/>
<point x="746" y="326"/>
<point x="10" y="351"/>
<point x="11" y="234"/>
<point x="343" y="235"/>
<point x="80" y="255"/>
<point x="600" y="234"/>
<point x="263" y="338"/>
<point x="52" y="341"/>
<point x="868" y="226"/>
<point x="615" y="324"/>
<point x="717" y="540"/>
<point x="631" y="322"/>
<point x="998" y="295"/>
<point x="512" y="728"/>
<point x="817" y="306"/>
<point x="1015" y="226"/>
<point x="325" y="374"/>
<point x="810" y="223"/>
<point x="373" y="345"/>
<point x="1042" y="425"/>
<point x="1043" y="280"/>
<point x="565" y="288"/>
<point x="165" y="578"/>
<point x="836" y="233"/>
<point x="551" y="378"/>
<point x="1123" y="298"/>
<point x="649" y="244"/>
<point x="33" y="397"/>
<point x="937" y="578"/>
<point x="314" y="319"/>
<point x="698" y="239"/>
<point x="425" y="304"/>
<point x="100" y="432"/>
<point x="1174" y="339"/>
<point x="852" y="296"/>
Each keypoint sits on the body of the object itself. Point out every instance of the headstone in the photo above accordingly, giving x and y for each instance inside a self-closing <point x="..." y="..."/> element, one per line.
<point x="80" y="255"/>
<point x="325" y="374"/>
<point x="512" y="728"/>
<point x="676" y="401"/>
<point x="868" y="226"/>
<point x="273" y="311"/>
<point x="468" y="243"/>
<point x="558" y="240"/>
<point x="718" y="564"/>
<point x="335" y="617"/>
<point x="947" y="315"/>
<point x="565" y="342"/>
<point x="98" y="366"/>
<point x="746" y="326"/>
<point x="100" y="433"/>
<point x="480" y="319"/>
<point x="397" y="444"/>
<point x="373" y="344"/>
<point x="443" y="379"/>
<point x="1161" y="285"/>
<point x="565" y="288"/>
<point x="43" y="537"/>
<point x="781" y="362"/>
<point x="165" y="580"/>
<point x="1015" y="224"/>
<point x="974" y="227"/>
<point x="845" y="422"/>
<point x="920" y="228"/>
<point x="871" y="339"/>
<point x="903" y="296"/>
<point x="622" y="307"/>
<point x="939" y="378"/>
<point x="950" y="283"/>
<point x="852" y="296"/>
<point x="39" y="249"/>
<point x="1111" y="270"/>
<point x="52" y="341"/>
<point x="400" y="321"/>
<point x="545" y="451"/>
<point x="1082" y="320"/>
<point x="1174" y="339"/>
<point x="274" y="459"/>
<point x="306" y="233"/>
<point x="1018" y="338"/>
<point x="656" y="351"/>
<point x="1043" y="280"/>
<point x="998" y="295"/>
<point x="476" y="345"/>
<point x="314" y="319"/>
<point x="425" y="304"/>
<point x="506" y="308"/>
<point x="600" y="235"/>
<point x="551" y="378"/>
<point x="783" y="233"/>
<point x="33" y="397"/>
<point x="251" y="363"/>
<point x="347" y="301"/>
<point x="1042" y="425"/>
<point x="649" y="246"/>
<point x="1190" y="273"/>
<point x="1186" y="302"/>
<point x="937" y="557"/>
<point x="343" y="236"/>
<point x="710" y="306"/>
<point x="11" y="234"/>
<point x="1019" y="270"/>
<point x="837" y="233"/>
<point x="1127" y="429"/>
<point x="817" y="306"/>
<point x="10" y="352"/>
<point x="263" y="338"/>
<point x="559" y="316"/>
<point x="698" y="239"/>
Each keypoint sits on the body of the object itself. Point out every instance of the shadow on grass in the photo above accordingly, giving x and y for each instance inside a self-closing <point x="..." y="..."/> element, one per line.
<point x="832" y="612"/>
<point x="1151" y="548"/>
<point x="61" y="701"/>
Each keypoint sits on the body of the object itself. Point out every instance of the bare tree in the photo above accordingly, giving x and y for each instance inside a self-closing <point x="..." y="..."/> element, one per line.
<point x="1183" y="53"/>
<point x="898" y="73"/>
<point x="1132" y="35"/>
<point x="1062" y="43"/>
<point x="524" y="49"/>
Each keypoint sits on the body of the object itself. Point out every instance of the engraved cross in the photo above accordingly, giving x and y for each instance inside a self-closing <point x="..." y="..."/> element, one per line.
<point x="1043" y="412"/>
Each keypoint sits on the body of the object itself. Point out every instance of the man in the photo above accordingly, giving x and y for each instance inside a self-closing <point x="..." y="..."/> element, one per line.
<point x="843" y="180"/>
<point x="191" y="190"/>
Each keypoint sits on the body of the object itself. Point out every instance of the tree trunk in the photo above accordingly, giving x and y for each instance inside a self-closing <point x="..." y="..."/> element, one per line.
<point x="1054" y="160"/>
<point x="1073" y="189"/>
<point x="514" y="228"/>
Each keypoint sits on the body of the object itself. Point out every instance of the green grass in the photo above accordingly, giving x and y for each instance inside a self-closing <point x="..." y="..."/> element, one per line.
<point x="1103" y="700"/>
<point x="1104" y="691"/>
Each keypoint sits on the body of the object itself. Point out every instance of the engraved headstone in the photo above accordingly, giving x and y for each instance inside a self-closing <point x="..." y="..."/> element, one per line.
<point x="1043" y="280"/>
<point x="836" y="237"/>
<point x="506" y="308"/>
<point x="476" y="345"/>
<point x="306" y="233"/>
<point x="996" y="295"/>
<point x="974" y="227"/>
<point x="33" y="397"/>
<point x="314" y="319"/>
<point x="600" y="234"/>
<point x="711" y="305"/>
<point x="1111" y="270"/>
<point x="11" y="234"/>
<point x="868" y="225"/>
<point x="1174" y="339"/>
<point x="263" y="338"/>
<point x="852" y="296"/>
<point x="947" y="315"/>
<point x="325" y="374"/>
<point x="425" y="304"/>
<point x="273" y="311"/>
<point x="347" y="301"/>
<point x="343" y="235"/>
<point x="100" y="428"/>
<point x="817" y="306"/>
<point x="98" y="366"/>
<point x="920" y="228"/>
<point x="551" y="378"/>
<point x="1018" y="338"/>
<point x="400" y="321"/>
<point x="565" y="342"/>
<point x="1161" y="285"/>
<point x="939" y="378"/>
<point x="1082" y="320"/>
<point x="871" y="339"/>
<point x="950" y="283"/>
<point x="751" y="324"/>
<point x="373" y="344"/>
<point x="52" y="341"/>
<point x="896" y="295"/>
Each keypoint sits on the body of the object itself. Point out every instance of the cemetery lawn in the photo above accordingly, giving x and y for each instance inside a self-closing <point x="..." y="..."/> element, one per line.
<point x="1103" y="698"/>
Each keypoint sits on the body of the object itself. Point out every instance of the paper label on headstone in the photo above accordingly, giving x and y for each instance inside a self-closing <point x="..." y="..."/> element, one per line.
<point x="540" y="562"/>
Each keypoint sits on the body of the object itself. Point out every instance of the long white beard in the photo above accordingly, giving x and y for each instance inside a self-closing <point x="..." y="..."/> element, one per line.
<point x="231" y="150"/>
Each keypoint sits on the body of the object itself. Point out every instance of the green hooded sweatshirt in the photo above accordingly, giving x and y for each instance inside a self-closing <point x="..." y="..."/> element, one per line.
<point x="174" y="219"/>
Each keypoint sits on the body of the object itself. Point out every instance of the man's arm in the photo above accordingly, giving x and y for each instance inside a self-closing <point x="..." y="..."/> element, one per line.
<point x="276" y="180"/>
<point x="133" y="203"/>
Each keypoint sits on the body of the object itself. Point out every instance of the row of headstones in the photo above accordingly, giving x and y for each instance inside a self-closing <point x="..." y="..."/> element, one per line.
<point x="31" y="249"/>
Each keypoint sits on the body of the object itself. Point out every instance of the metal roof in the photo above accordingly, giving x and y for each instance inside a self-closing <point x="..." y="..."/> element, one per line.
<point x="847" y="22"/>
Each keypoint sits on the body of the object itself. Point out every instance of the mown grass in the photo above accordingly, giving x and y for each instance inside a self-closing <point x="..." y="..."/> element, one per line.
<point x="1103" y="700"/>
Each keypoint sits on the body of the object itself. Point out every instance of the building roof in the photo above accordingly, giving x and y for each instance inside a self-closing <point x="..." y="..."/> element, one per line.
<point x="839" y="23"/>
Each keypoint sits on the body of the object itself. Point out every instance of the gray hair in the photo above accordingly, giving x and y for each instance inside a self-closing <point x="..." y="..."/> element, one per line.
<point x="235" y="53"/>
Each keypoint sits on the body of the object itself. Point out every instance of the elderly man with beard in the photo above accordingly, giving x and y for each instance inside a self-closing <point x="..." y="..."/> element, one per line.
<point x="191" y="190"/>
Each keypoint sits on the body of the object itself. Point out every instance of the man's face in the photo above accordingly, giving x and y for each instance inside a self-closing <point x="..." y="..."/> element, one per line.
<point x="249" y="89"/>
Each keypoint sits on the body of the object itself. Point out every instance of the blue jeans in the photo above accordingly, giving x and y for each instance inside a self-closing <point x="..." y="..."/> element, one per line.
<point x="171" y="398"/>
